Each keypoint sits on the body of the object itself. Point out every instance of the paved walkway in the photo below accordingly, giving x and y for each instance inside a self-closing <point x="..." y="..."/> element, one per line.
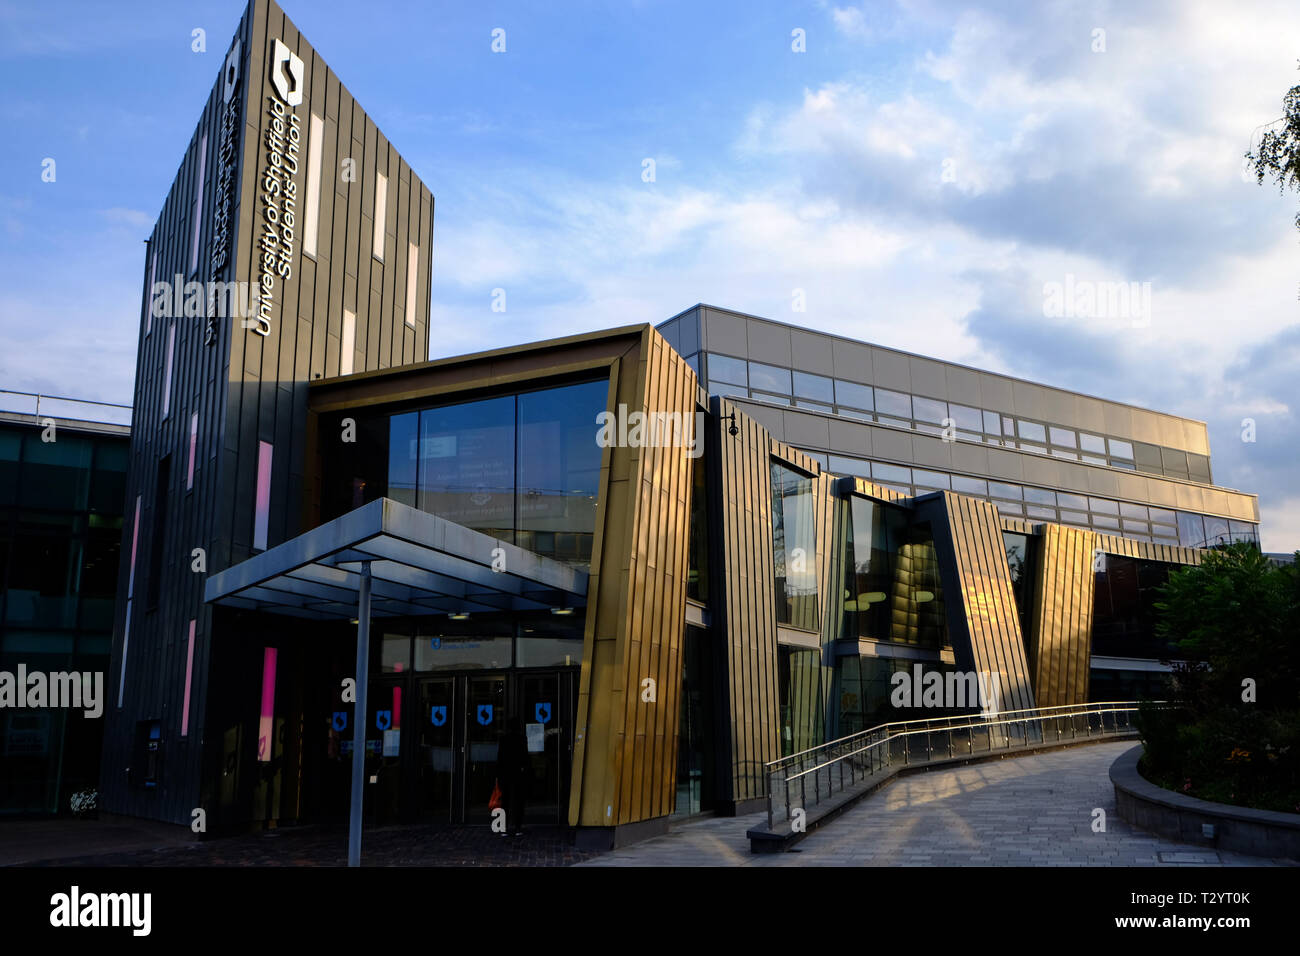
<point x="134" y="843"/>
<point x="1021" y="811"/>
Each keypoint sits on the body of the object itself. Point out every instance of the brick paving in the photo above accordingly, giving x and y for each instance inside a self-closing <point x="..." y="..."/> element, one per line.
<point x="327" y="846"/>
<point x="1022" y="811"/>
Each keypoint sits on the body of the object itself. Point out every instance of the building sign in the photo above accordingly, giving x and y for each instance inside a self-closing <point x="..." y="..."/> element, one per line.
<point x="278" y="184"/>
<point x="227" y="158"/>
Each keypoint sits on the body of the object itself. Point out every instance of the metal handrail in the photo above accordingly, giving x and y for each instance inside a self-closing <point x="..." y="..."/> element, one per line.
<point x="40" y="396"/>
<point x="869" y="753"/>
<point x="926" y="720"/>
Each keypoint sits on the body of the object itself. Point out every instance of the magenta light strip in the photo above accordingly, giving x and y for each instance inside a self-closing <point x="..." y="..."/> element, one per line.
<point x="126" y="643"/>
<point x="263" y="502"/>
<point x="267" y="724"/>
<point x="135" y="539"/>
<point x="189" y="672"/>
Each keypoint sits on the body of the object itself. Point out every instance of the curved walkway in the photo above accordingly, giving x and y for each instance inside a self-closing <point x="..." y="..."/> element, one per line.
<point x="1022" y="811"/>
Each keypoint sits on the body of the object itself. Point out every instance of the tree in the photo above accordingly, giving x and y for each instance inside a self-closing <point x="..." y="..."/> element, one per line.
<point x="1278" y="153"/>
<point x="1232" y="732"/>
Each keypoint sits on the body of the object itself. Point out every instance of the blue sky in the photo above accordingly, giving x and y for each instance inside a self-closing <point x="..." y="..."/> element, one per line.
<point x="921" y="172"/>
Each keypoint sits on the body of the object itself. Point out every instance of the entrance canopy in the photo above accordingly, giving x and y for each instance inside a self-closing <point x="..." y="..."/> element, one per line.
<point x="420" y="564"/>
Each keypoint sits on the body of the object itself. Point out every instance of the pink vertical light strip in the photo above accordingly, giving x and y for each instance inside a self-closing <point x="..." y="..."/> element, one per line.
<point x="262" y="517"/>
<point x="126" y="643"/>
<point x="397" y="708"/>
<point x="194" y="441"/>
<point x="266" y="727"/>
<point x="189" y="673"/>
<point x="167" y="371"/>
<point x="135" y="539"/>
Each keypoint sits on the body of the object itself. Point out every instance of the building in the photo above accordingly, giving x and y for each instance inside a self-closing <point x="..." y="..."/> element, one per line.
<point x="1039" y="454"/>
<point x="670" y="555"/>
<point x="62" y="488"/>
<point x="287" y="184"/>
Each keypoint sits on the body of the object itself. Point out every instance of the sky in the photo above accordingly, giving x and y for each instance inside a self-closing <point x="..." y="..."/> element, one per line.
<point x="921" y="171"/>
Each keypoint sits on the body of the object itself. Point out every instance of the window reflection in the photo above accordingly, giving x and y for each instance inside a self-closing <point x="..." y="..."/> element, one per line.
<point x="794" y="538"/>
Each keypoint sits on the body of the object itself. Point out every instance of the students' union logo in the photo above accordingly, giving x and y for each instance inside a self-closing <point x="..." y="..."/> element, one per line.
<point x="286" y="73"/>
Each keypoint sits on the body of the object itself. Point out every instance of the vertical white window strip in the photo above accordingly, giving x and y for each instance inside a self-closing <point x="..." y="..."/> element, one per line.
<point x="349" y="347"/>
<point x="194" y="441"/>
<point x="262" y="516"/>
<point x="148" y="296"/>
<point x="412" y="271"/>
<point x="198" y="204"/>
<point x="167" y="370"/>
<point x="130" y="593"/>
<point x="315" y="146"/>
<point x="381" y="210"/>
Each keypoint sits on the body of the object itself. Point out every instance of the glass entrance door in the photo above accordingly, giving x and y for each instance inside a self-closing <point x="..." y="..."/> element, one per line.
<point x="436" y="752"/>
<point x="484" y="717"/>
<point x="456" y="733"/>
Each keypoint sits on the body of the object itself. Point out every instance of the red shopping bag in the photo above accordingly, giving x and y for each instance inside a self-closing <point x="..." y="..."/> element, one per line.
<point x="494" y="802"/>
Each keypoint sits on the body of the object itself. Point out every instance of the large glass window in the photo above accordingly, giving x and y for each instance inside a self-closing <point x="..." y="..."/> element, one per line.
<point x="853" y="394"/>
<point x="1020" y="562"/>
<point x="559" y="470"/>
<point x="800" y="698"/>
<point x="697" y="581"/>
<point x="524" y="468"/>
<point x="769" y="377"/>
<point x="403" y="457"/>
<point x="966" y="417"/>
<point x="1191" y="530"/>
<point x="891" y="589"/>
<point x="896" y="404"/>
<point x="929" y="410"/>
<point x="1123" y="619"/>
<point x="794" y="537"/>
<point x="723" y="368"/>
<point x="467" y="464"/>
<point x="1216" y="531"/>
<point x="815" y="387"/>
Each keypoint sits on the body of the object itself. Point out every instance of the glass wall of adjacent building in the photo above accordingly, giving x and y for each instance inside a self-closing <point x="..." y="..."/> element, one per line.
<point x="1111" y="516"/>
<point x="730" y="376"/>
<point x="61" y="513"/>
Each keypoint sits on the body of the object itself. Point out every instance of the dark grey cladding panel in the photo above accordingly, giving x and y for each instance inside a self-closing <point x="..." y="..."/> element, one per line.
<point x="243" y="387"/>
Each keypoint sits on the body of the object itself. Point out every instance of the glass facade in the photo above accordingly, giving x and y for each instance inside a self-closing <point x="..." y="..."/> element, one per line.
<point x="770" y="383"/>
<point x="522" y="467"/>
<point x="892" y="590"/>
<point x="1105" y="515"/>
<point x="799" y="685"/>
<point x="1123" y="616"/>
<point x="794" y="536"/>
<point x="61" y="510"/>
<point x="1020" y="550"/>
